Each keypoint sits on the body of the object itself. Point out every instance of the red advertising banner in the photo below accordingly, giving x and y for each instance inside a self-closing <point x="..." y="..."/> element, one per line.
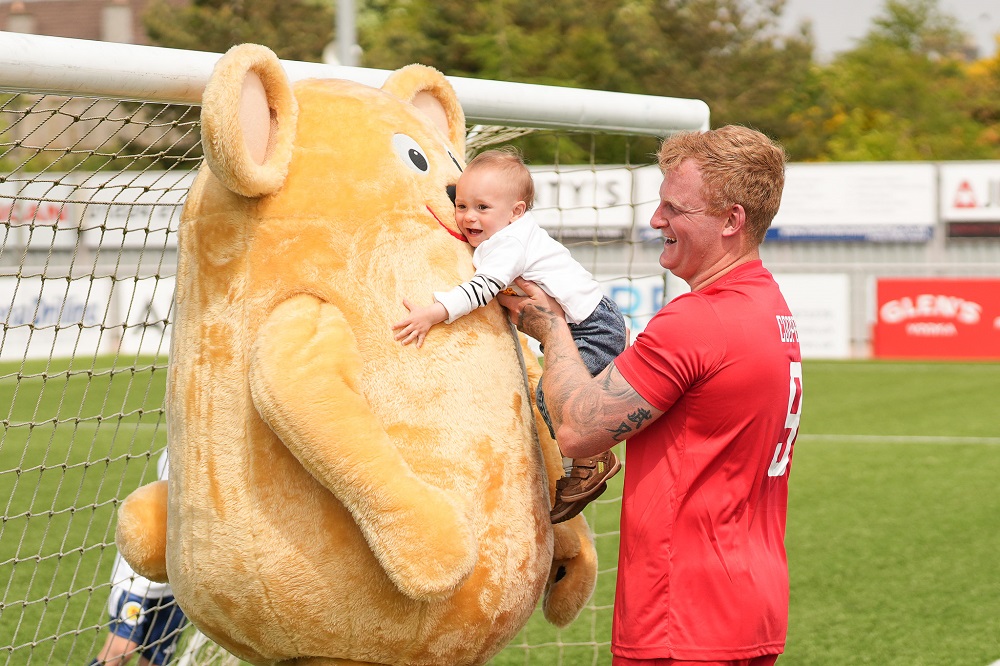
<point x="938" y="318"/>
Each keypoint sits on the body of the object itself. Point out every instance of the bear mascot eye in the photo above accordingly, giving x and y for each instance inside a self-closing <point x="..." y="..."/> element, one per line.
<point x="410" y="152"/>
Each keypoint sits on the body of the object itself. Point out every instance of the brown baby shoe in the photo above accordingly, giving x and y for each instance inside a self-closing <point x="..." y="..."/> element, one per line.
<point x="563" y="511"/>
<point x="586" y="482"/>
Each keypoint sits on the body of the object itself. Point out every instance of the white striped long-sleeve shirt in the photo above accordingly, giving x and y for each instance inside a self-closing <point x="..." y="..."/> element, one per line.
<point x="524" y="249"/>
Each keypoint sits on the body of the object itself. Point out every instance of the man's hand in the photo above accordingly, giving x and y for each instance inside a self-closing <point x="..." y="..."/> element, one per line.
<point x="536" y="314"/>
<point x="589" y="414"/>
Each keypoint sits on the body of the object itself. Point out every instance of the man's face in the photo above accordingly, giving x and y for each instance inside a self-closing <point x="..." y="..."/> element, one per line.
<point x="484" y="205"/>
<point x="692" y="237"/>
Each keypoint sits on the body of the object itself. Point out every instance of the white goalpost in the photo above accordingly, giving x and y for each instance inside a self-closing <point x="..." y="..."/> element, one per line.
<point x="99" y="143"/>
<point x="59" y="66"/>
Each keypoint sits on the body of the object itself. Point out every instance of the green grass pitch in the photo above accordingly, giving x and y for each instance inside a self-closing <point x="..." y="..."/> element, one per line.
<point x="893" y="527"/>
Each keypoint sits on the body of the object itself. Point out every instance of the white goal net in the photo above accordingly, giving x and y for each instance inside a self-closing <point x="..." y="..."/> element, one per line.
<point x="98" y="145"/>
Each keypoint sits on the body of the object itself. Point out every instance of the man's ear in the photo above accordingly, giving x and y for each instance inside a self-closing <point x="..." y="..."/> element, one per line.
<point x="736" y="221"/>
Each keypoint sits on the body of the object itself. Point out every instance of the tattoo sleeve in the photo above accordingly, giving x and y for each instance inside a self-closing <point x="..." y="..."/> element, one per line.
<point x="601" y="411"/>
<point x="538" y="322"/>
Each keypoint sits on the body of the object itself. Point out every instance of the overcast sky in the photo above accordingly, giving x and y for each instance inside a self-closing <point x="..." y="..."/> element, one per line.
<point x="837" y="24"/>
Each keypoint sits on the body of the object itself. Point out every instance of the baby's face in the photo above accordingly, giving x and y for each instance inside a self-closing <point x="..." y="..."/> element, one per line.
<point x="484" y="205"/>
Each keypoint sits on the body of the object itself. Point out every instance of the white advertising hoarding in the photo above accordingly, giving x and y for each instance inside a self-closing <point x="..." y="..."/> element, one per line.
<point x="970" y="199"/>
<point x="53" y="318"/>
<point x="134" y="209"/>
<point x="59" y="318"/>
<point x="970" y="192"/>
<point x="143" y="308"/>
<point x="591" y="201"/>
<point x="39" y="215"/>
<point x="877" y="202"/>
<point x="638" y="299"/>
<point x="820" y="303"/>
<point x="129" y="209"/>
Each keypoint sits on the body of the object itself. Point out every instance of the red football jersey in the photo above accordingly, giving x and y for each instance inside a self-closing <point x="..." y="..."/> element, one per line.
<point x="702" y="572"/>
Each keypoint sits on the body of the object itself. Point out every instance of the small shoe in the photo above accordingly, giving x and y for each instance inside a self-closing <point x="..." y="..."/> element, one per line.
<point x="563" y="510"/>
<point x="587" y="475"/>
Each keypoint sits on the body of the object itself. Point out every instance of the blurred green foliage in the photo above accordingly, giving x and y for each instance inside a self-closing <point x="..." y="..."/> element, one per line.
<point x="910" y="90"/>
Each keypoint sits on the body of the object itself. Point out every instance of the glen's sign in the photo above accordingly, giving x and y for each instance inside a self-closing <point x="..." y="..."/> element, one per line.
<point x="938" y="318"/>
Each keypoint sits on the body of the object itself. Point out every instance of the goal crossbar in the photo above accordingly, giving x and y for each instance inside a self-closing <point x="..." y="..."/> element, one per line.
<point x="77" y="67"/>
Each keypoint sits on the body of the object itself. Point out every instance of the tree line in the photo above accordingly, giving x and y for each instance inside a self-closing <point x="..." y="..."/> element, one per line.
<point x="907" y="90"/>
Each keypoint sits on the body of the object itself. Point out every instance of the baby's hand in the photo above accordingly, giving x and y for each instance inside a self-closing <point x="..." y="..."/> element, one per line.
<point x="414" y="328"/>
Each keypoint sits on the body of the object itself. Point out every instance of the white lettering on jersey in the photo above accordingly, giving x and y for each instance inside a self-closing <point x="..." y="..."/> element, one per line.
<point x="786" y="327"/>
<point x="783" y="451"/>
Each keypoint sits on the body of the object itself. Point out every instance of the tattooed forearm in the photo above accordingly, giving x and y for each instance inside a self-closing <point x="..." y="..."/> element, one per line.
<point x="633" y="421"/>
<point x="538" y="321"/>
<point x="564" y="377"/>
<point x="604" y="411"/>
<point x="621" y="432"/>
<point x="590" y="414"/>
<point x="640" y="416"/>
<point x="614" y="384"/>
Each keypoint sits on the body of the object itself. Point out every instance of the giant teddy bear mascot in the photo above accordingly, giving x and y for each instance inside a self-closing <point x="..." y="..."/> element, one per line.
<point x="336" y="497"/>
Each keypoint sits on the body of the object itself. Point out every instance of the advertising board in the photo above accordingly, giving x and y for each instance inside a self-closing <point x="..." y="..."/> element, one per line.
<point x="872" y="202"/>
<point x="585" y="202"/>
<point x="970" y="199"/>
<point x="938" y="318"/>
<point x="56" y="318"/>
<point x="820" y="303"/>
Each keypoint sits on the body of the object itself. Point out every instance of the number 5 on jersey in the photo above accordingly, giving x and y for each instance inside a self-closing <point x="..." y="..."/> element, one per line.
<point x="783" y="451"/>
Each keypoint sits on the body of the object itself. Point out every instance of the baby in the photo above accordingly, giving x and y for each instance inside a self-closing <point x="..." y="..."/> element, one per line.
<point x="492" y="203"/>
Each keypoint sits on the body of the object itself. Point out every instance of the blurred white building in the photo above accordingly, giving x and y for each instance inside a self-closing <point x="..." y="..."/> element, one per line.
<point x="103" y="20"/>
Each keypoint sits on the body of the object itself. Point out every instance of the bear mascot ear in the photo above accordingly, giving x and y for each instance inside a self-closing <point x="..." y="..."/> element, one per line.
<point x="427" y="89"/>
<point x="248" y="119"/>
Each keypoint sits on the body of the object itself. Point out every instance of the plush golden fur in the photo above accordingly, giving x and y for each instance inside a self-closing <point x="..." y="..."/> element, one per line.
<point x="143" y="517"/>
<point x="336" y="497"/>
